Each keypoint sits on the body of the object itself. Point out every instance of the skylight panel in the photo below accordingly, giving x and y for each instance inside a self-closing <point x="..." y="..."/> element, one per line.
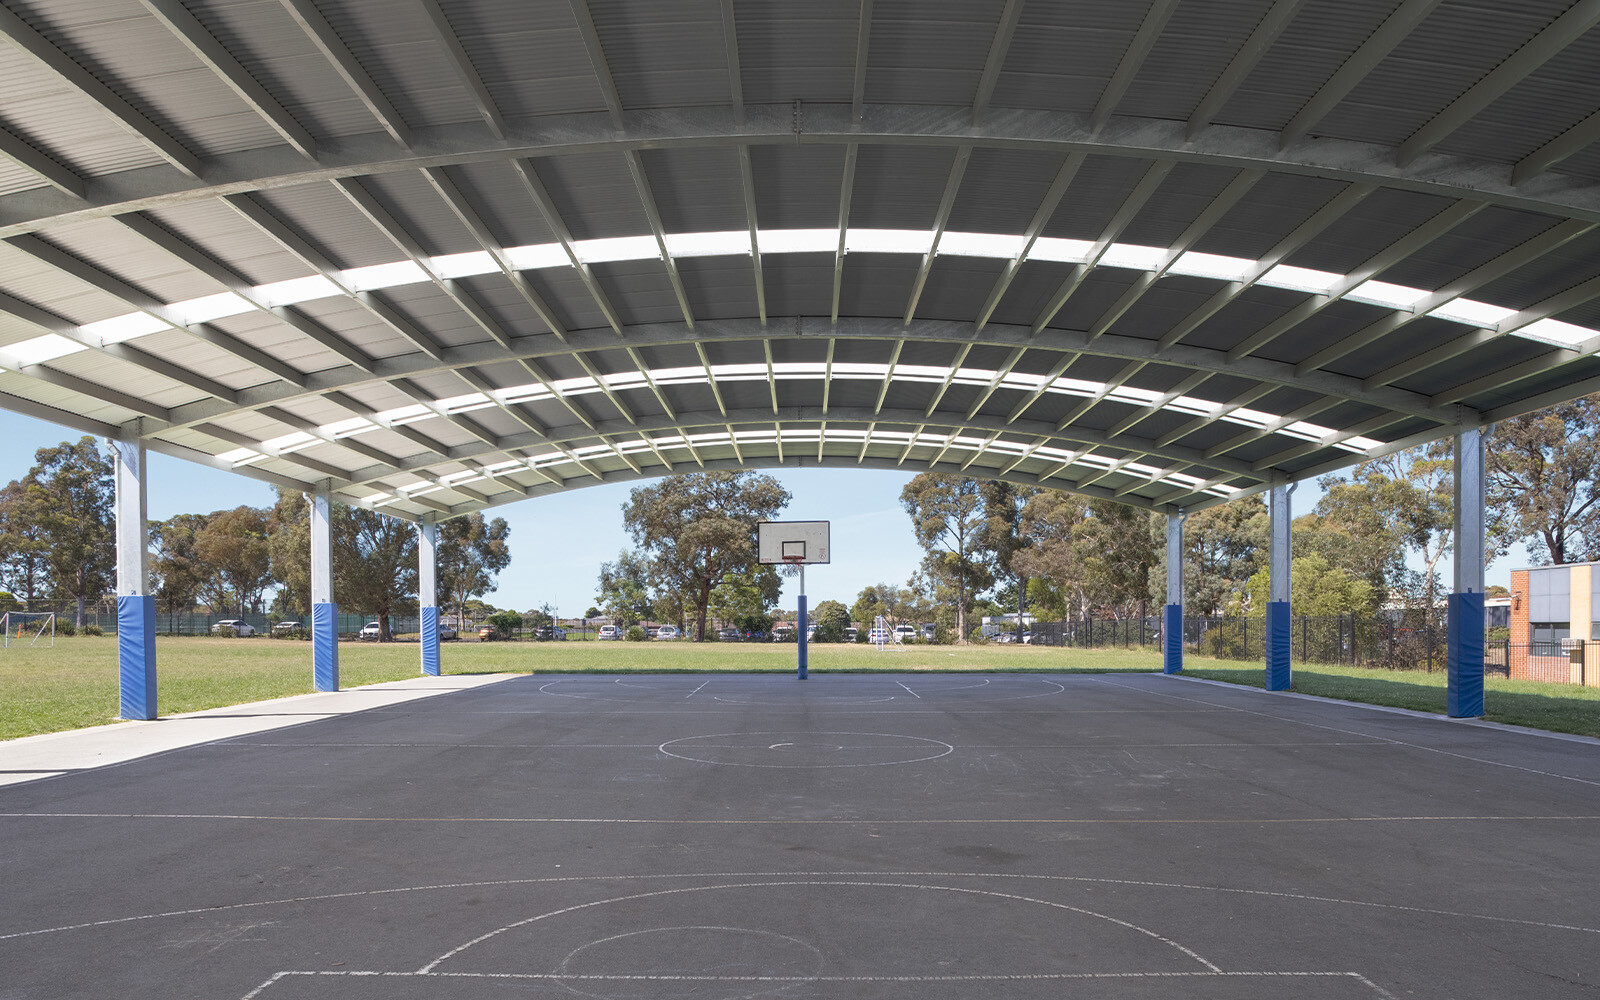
<point x="401" y="272"/>
<point x="617" y="248"/>
<point x="522" y="393"/>
<point x="209" y="307"/>
<point x="346" y="428"/>
<point x="532" y="258"/>
<point x="240" y="456"/>
<point x="1002" y="245"/>
<point x="41" y="349"/>
<point x="799" y="240"/>
<point x="125" y="327"/>
<point x="1553" y="331"/>
<point x="1057" y="249"/>
<point x="404" y="414"/>
<point x="1382" y="293"/>
<point x="910" y="241"/>
<point x="287" y="293"/>
<point x="1302" y="279"/>
<point x="465" y="265"/>
<point x="1211" y="265"/>
<point x="1132" y="256"/>
<point x="724" y="244"/>
<point x="288" y="443"/>
<point x="1472" y="313"/>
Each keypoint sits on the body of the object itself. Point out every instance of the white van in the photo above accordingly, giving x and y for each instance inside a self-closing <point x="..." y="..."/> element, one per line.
<point x="609" y="632"/>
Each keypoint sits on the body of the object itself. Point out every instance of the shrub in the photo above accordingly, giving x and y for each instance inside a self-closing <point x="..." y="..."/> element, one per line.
<point x="64" y="626"/>
<point x="93" y="629"/>
<point x="943" y="636"/>
<point x="636" y="633"/>
<point x="507" y="623"/>
<point x="977" y="636"/>
<point x="226" y="632"/>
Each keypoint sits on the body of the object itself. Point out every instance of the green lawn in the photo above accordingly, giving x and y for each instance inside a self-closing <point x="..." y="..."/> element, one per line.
<point x="75" y="684"/>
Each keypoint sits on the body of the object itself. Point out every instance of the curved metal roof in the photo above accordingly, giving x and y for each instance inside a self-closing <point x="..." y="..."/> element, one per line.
<point x="440" y="255"/>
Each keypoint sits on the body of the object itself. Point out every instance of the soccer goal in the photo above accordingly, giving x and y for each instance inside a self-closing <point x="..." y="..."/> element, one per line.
<point x="32" y="628"/>
<point x="885" y="637"/>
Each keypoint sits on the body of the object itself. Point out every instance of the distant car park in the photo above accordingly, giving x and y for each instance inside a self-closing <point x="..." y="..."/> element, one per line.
<point x="371" y="631"/>
<point x="240" y="628"/>
<point x="284" y="628"/>
<point x="729" y="634"/>
<point x="667" y="632"/>
<point x="609" y="632"/>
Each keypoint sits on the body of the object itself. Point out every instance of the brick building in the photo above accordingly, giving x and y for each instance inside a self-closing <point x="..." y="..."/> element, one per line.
<point x="1552" y="609"/>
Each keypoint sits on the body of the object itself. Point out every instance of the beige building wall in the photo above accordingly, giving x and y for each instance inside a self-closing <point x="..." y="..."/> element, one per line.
<point x="1578" y="579"/>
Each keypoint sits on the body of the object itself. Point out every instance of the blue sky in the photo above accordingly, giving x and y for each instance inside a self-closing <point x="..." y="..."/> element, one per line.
<point x="559" y="542"/>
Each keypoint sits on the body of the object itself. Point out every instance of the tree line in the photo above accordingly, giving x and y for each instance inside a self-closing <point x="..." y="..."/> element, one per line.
<point x="57" y="546"/>
<point x="1377" y="535"/>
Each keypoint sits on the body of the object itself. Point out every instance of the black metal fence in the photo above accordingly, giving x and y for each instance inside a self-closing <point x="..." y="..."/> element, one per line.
<point x="1408" y="641"/>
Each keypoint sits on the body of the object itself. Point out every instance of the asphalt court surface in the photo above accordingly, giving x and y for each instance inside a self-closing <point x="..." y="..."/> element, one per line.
<point x="884" y="836"/>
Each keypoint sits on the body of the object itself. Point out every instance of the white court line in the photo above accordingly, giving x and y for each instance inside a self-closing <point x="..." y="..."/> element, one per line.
<point x="909" y="691"/>
<point x="696" y="691"/>
<point x="559" y="879"/>
<point x="997" y="978"/>
<point x="832" y="882"/>
<point x="1352" y="732"/>
<point x="769" y="821"/>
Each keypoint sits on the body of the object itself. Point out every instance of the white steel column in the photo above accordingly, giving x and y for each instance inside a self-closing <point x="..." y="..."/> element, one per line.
<point x="1464" y="651"/>
<point x="1172" y="624"/>
<point x="428" y="595"/>
<point x="1279" y="559"/>
<point x="324" y="612"/>
<point x="136" y="608"/>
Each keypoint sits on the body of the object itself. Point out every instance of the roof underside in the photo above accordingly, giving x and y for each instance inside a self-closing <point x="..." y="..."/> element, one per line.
<point x="441" y="255"/>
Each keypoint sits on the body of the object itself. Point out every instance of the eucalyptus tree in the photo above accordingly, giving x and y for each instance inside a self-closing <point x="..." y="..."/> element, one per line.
<point x="1543" y="473"/>
<point x="472" y="551"/>
<point x="947" y="519"/>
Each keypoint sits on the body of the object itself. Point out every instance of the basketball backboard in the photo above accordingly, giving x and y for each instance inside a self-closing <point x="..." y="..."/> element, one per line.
<point x="804" y="542"/>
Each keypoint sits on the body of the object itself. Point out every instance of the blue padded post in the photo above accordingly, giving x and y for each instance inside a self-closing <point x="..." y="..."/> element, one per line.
<point x="325" y="646"/>
<point x="430" y="640"/>
<point x="1172" y="640"/>
<point x="1278" y="676"/>
<point x="136" y="655"/>
<point x="1464" y="657"/>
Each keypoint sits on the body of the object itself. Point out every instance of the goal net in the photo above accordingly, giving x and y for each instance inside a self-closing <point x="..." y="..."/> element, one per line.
<point x="30" y="628"/>
<point x="885" y="637"/>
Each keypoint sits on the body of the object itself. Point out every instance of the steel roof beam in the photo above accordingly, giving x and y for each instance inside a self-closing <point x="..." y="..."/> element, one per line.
<point x="999" y="45"/>
<point x="45" y="167"/>
<point x="529" y="177"/>
<point x="1579" y="137"/>
<point x="652" y="214"/>
<point x="344" y="63"/>
<point x="446" y="36"/>
<point x="1030" y="236"/>
<point x="1513" y="259"/>
<point x="847" y="185"/>
<point x="1365" y="427"/>
<point x="188" y="30"/>
<point x="1128" y="371"/>
<point x="747" y="184"/>
<point x="1271" y="373"/>
<point x="1371" y="52"/>
<point x="888" y="377"/>
<point x="1155" y="19"/>
<point x="941" y="218"/>
<point x="858" y="85"/>
<point x="1324" y="217"/>
<point x="1218" y="207"/>
<point x="1518" y="66"/>
<point x="597" y="60"/>
<point x="1188" y="384"/>
<point x="1244" y="61"/>
<point x="1238" y="441"/>
<point x="1394" y="253"/>
<point x="730" y="48"/>
<point x="1447" y="175"/>
<point x="1049" y="380"/>
<point x="82" y="79"/>
<point x="1239" y="401"/>
<point x="955" y="367"/>
<point x="1131" y="206"/>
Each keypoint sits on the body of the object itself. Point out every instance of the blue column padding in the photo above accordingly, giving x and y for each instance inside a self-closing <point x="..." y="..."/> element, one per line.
<point x="1464" y="657"/>
<point x="1172" y="640"/>
<point x="430" y="641"/>
<point x="1278" y="676"/>
<point x="136" y="655"/>
<point x="325" y="646"/>
<point x="802" y="637"/>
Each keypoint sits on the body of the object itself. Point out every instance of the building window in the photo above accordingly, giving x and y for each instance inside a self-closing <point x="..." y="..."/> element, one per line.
<point x="1551" y="631"/>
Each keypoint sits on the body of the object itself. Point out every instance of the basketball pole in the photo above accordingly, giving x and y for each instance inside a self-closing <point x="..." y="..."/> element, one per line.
<point x="802" y="624"/>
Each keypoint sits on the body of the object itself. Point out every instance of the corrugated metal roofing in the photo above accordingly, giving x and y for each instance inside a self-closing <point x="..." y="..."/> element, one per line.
<point x="712" y="329"/>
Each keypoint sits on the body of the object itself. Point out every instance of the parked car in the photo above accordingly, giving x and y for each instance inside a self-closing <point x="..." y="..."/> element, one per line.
<point x="489" y="633"/>
<point x="878" y="635"/>
<point x="370" y="631"/>
<point x="609" y="632"/>
<point x="783" y="633"/>
<point x="729" y="634"/>
<point x="928" y="629"/>
<point x="446" y="632"/>
<point x="667" y="632"/>
<point x="240" y="628"/>
<point x="906" y="632"/>
<point x="284" y="628"/>
<point x="851" y="634"/>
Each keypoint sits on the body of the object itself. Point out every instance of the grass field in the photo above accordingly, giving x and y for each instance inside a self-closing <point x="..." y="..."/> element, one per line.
<point x="75" y="684"/>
